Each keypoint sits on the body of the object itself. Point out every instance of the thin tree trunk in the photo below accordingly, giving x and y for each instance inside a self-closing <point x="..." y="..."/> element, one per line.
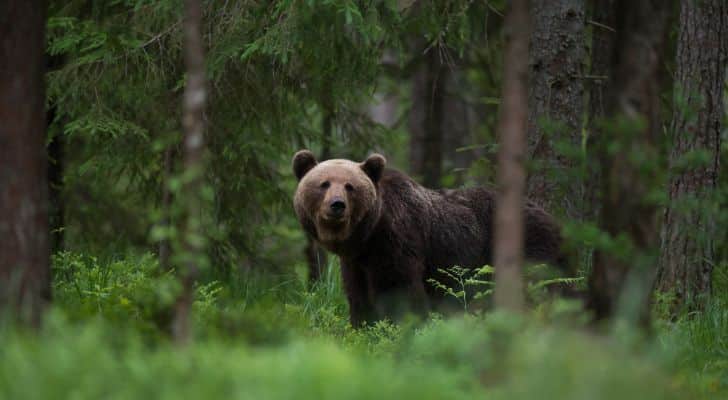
<point x="556" y="98"/>
<point x="194" y="146"/>
<point x="24" y="248"/>
<point x="166" y="206"/>
<point x="687" y="253"/>
<point x="508" y="241"/>
<point x="622" y="276"/>
<point x="327" y="129"/>
<point x="459" y="120"/>
<point x="602" y="49"/>
<point x="425" y="119"/>
<point x="315" y="254"/>
<point x="384" y="106"/>
<point x="418" y="111"/>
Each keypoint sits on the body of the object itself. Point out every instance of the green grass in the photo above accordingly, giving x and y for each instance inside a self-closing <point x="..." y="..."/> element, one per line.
<point x="263" y="337"/>
<point x="80" y="363"/>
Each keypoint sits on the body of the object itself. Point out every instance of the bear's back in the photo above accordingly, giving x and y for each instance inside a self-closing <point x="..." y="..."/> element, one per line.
<point x="450" y="227"/>
<point x="455" y="226"/>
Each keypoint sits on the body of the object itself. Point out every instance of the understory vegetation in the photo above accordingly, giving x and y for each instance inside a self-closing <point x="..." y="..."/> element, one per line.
<point x="272" y="336"/>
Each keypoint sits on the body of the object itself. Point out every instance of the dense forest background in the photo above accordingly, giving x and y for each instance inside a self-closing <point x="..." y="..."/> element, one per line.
<point x="168" y="261"/>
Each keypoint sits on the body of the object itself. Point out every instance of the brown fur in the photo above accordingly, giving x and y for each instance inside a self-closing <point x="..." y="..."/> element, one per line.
<point x="395" y="234"/>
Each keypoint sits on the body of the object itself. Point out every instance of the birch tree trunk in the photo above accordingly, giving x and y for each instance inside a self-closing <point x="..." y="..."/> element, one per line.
<point x="511" y="177"/>
<point x="193" y="175"/>
<point x="687" y="254"/>
<point x="24" y="243"/>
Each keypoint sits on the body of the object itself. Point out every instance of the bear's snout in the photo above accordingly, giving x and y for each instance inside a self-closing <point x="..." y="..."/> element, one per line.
<point x="337" y="208"/>
<point x="335" y="205"/>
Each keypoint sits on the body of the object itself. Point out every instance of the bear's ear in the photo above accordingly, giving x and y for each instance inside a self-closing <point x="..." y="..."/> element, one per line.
<point x="373" y="166"/>
<point x="303" y="161"/>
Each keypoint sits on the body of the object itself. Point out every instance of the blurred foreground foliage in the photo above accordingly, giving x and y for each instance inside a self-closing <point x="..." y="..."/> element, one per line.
<point x="268" y="336"/>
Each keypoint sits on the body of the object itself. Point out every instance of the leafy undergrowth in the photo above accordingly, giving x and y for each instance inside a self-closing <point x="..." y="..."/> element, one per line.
<point x="106" y="338"/>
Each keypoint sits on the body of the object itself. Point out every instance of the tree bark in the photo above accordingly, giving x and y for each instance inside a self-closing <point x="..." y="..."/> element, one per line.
<point x="621" y="277"/>
<point x="425" y="119"/>
<point x="459" y="121"/>
<point x="166" y="206"/>
<point x="194" y="145"/>
<point x="687" y="254"/>
<point x="315" y="254"/>
<point x="602" y="49"/>
<point x="24" y="246"/>
<point x="556" y="97"/>
<point x="327" y="126"/>
<point x="440" y="119"/>
<point x="511" y="178"/>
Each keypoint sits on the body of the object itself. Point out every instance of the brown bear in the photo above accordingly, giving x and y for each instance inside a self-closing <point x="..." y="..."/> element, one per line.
<point x="393" y="234"/>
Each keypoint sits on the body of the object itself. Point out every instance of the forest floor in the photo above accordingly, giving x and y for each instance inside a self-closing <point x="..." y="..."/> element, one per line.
<point x="260" y="337"/>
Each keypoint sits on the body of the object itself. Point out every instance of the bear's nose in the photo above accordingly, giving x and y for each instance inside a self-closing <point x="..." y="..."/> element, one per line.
<point x="337" y="207"/>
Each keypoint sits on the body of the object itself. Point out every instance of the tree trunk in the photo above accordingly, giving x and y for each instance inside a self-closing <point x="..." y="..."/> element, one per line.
<point x="417" y="114"/>
<point x="383" y="108"/>
<point x="556" y="102"/>
<point x="622" y="275"/>
<point x="425" y="119"/>
<point x="194" y="146"/>
<point x="459" y="121"/>
<point x="24" y="248"/>
<point x="602" y="49"/>
<point x="440" y="120"/>
<point x="687" y="254"/>
<point x="315" y="254"/>
<point x="508" y="241"/>
<point x="166" y="206"/>
<point x="327" y="128"/>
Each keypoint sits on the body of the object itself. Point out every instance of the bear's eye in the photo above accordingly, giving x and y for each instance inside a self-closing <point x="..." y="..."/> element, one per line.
<point x="325" y="185"/>
<point x="348" y="187"/>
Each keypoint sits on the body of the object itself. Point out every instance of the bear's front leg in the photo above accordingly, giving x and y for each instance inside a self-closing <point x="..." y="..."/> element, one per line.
<point x="402" y="292"/>
<point x="419" y="301"/>
<point x="361" y="310"/>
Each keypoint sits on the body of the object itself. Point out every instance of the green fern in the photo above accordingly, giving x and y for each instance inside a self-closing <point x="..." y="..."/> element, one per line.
<point x="470" y="284"/>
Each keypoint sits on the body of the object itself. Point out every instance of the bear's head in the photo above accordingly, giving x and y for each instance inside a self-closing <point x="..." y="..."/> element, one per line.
<point x="335" y="197"/>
